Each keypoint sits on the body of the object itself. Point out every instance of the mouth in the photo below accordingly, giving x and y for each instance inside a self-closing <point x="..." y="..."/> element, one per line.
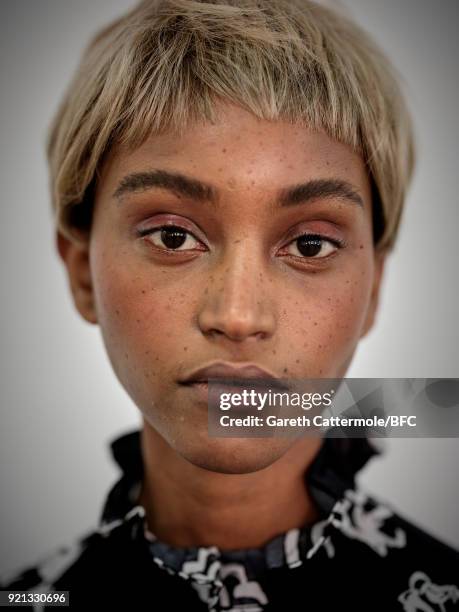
<point x="237" y="384"/>
<point x="231" y="387"/>
<point x="236" y="376"/>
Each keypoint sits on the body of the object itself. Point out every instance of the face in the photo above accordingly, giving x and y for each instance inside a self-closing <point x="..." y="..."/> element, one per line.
<point x="242" y="268"/>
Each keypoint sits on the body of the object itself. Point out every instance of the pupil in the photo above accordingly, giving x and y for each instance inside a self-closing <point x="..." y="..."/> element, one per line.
<point x="173" y="237"/>
<point x="309" y="246"/>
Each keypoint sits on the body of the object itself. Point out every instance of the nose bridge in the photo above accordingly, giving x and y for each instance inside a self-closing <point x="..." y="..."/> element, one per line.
<point x="237" y="302"/>
<point x="240" y="268"/>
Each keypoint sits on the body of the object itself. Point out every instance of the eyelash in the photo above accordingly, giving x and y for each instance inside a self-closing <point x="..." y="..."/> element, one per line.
<point x="337" y="243"/>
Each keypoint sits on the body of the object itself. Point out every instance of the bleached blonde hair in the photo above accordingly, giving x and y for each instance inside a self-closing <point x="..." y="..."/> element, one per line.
<point x="166" y="63"/>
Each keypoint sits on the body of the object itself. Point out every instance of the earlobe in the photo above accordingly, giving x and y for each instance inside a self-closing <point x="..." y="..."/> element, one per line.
<point x="75" y="256"/>
<point x="380" y="259"/>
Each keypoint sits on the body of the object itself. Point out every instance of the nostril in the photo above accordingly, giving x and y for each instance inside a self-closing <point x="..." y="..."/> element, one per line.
<point x="215" y="332"/>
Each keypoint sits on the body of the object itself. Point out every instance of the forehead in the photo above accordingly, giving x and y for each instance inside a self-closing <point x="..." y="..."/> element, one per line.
<point x="240" y="151"/>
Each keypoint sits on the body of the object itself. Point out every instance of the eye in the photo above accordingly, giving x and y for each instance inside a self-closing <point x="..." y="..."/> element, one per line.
<point x="314" y="246"/>
<point x="171" y="238"/>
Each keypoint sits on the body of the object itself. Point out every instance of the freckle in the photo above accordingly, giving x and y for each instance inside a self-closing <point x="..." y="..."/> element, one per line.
<point x="117" y="311"/>
<point x="285" y="370"/>
<point x="185" y="348"/>
<point x="297" y="361"/>
<point x="143" y="291"/>
<point x="274" y="352"/>
<point x="138" y="320"/>
<point x="220" y="169"/>
<point x="361" y="246"/>
<point x="126" y="356"/>
<point x="206" y="291"/>
<point x="320" y="371"/>
<point x="223" y="150"/>
<point x="315" y="322"/>
<point x="147" y="352"/>
<point x="320" y="346"/>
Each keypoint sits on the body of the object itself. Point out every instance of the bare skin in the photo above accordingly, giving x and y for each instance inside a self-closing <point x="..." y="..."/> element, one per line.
<point x="238" y="289"/>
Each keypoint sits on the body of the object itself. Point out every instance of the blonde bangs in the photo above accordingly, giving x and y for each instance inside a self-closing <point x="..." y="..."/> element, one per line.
<point x="167" y="63"/>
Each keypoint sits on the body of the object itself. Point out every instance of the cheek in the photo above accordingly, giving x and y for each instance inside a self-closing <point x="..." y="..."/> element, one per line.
<point x="139" y="315"/>
<point x="325" y="321"/>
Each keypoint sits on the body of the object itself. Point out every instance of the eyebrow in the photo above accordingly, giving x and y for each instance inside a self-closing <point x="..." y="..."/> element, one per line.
<point x="182" y="185"/>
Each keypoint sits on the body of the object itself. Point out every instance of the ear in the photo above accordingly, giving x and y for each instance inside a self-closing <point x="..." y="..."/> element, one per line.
<point x="380" y="260"/>
<point x="75" y="255"/>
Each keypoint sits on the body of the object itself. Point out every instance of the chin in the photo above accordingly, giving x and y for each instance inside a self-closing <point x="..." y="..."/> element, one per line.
<point x="236" y="455"/>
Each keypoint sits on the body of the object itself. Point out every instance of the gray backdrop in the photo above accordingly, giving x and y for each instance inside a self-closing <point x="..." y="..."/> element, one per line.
<point x="61" y="403"/>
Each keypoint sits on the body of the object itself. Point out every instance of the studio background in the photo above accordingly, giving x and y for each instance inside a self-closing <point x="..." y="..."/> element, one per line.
<point x="61" y="402"/>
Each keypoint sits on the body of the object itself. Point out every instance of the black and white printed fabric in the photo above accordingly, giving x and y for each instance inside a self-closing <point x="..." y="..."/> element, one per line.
<point x="360" y="555"/>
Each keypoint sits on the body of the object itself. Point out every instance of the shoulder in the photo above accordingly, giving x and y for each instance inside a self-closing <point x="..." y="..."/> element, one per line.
<point x="381" y="560"/>
<point x="114" y="554"/>
<point x="364" y="518"/>
<point x="386" y="546"/>
<point x="47" y="570"/>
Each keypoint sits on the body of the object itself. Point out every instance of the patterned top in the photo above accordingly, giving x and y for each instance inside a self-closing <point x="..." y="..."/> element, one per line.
<point x="359" y="555"/>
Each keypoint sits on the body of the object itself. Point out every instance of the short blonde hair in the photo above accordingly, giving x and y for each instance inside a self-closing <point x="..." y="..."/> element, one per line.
<point x="166" y="63"/>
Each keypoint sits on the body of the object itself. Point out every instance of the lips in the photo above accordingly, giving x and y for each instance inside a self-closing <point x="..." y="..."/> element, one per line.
<point x="238" y="375"/>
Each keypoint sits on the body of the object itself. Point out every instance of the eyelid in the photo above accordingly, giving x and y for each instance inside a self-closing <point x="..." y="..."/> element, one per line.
<point x="151" y="225"/>
<point x="156" y="228"/>
<point x="339" y="242"/>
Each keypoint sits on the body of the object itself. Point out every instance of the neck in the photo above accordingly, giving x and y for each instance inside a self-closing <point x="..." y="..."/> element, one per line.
<point x="189" y="506"/>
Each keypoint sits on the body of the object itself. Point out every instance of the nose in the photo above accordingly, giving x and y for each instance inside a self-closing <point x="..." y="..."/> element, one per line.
<point x="237" y="304"/>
